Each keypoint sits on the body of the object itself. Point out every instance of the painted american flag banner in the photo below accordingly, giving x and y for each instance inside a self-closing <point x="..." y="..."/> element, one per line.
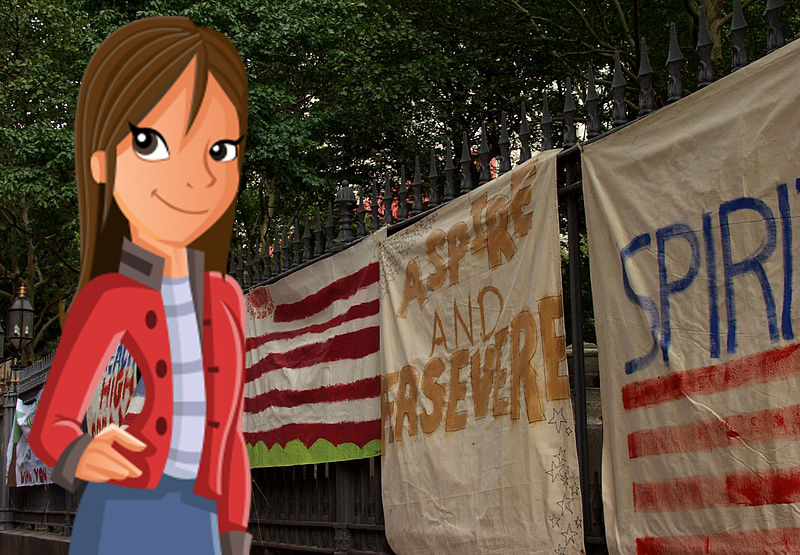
<point x="477" y="420"/>
<point x="692" y="223"/>
<point x="312" y="390"/>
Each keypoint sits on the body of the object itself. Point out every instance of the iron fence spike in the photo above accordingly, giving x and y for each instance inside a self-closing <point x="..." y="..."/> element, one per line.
<point x="547" y="126"/>
<point x="738" y="21"/>
<point x="417" y="208"/>
<point x="329" y="228"/>
<point x="433" y="178"/>
<point x="483" y="154"/>
<point x="619" y="110"/>
<point x="345" y="202"/>
<point x="387" y="201"/>
<point x="674" y="63"/>
<point x="706" y="73"/>
<point x="505" y="144"/>
<point x="285" y="249"/>
<point x="276" y="254"/>
<point x="772" y="14"/>
<point x="675" y="54"/>
<point x="466" y="166"/>
<point x="449" y="170"/>
<point x="318" y="246"/>
<point x="402" y="195"/>
<point x="361" y="229"/>
<point x="267" y="258"/>
<point x="307" y="240"/>
<point x="738" y="30"/>
<point x="646" y="93"/>
<point x="373" y="208"/>
<point x="296" y="243"/>
<point x="619" y="77"/>
<point x="524" y="135"/>
<point x="592" y="102"/>
<point x="570" y="133"/>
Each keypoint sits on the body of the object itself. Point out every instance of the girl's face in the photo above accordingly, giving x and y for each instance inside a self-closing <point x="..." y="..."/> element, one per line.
<point x="172" y="185"/>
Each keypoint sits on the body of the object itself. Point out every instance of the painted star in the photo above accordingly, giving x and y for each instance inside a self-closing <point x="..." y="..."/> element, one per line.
<point x="562" y="455"/>
<point x="554" y="472"/>
<point x="566" y="504"/>
<point x="558" y="421"/>
<point x="568" y="430"/>
<point x="569" y="535"/>
<point x="555" y="520"/>
<point x="578" y="523"/>
<point x="575" y="489"/>
<point x="561" y="550"/>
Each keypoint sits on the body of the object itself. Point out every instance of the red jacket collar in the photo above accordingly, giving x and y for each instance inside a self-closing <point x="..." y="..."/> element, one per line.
<point x="147" y="268"/>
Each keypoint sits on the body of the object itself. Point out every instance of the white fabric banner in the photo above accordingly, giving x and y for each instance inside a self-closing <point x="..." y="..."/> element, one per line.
<point x="30" y="471"/>
<point x="690" y="217"/>
<point x="478" y="434"/>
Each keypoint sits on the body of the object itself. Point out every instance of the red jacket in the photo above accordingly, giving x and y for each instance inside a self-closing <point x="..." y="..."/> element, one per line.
<point x="113" y="308"/>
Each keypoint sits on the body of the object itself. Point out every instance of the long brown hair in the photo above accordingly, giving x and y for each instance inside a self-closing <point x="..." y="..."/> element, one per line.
<point x="127" y="76"/>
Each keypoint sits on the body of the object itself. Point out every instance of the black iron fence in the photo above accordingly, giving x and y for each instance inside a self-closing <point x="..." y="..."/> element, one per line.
<point x="336" y="507"/>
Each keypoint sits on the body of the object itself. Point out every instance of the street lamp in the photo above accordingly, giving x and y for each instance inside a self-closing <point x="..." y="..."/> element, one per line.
<point x="20" y="334"/>
<point x="20" y="321"/>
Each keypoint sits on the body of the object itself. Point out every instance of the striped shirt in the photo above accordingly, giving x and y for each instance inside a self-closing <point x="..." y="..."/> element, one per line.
<point x="189" y="396"/>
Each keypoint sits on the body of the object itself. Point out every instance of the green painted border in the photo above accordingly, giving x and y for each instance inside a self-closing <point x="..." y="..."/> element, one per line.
<point x="296" y="452"/>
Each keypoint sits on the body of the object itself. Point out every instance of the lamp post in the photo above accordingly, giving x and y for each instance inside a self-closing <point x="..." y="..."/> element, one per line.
<point x="19" y="334"/>
<point x="20" y="321"/>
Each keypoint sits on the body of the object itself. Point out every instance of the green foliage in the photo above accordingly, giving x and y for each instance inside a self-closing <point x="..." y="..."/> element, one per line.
<point x="339" y="89"/>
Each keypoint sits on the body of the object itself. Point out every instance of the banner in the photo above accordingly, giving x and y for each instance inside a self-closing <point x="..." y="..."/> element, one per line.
<point x="479" y="451"/>
<point x="313" y="376"/>
<point x="109" y="403"/>
<point x="691" y="215"/>
<point x="29" y="470"/>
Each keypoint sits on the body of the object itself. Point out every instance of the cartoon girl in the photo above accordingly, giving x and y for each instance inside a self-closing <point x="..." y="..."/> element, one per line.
<point x="159" y="141"/>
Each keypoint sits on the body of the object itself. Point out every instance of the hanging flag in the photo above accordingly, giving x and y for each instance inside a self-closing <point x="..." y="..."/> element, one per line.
<point x="312" y="390"/>
<point x="29" y="470"/>
<point x="692" y="216"/>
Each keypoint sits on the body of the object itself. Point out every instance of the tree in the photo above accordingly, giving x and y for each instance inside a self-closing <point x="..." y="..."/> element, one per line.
<point x="339" y="89"/>
<point x="43" y="56"/>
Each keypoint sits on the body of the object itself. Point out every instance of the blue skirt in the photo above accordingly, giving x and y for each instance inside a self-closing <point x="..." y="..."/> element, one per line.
<point x="169" y="519"/>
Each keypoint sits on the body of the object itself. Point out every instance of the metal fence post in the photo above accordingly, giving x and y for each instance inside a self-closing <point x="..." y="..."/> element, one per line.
<point x="345" y="508"/>
<point x="9" y="403"/>
<point x="576" y="314"/>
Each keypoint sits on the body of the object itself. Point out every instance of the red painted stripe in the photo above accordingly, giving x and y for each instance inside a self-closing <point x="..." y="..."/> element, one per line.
<point x="751" y="542"/>
<point x="360" y="389"/>
<point x="346" y="346"/>
<point x="773" y="365"/>
<point x="749" y="428"/>
<point x="736" y="489"/>
<point x="340" y="289"/>
<point x="359" y="433"/>
<point x="369" y="308"/>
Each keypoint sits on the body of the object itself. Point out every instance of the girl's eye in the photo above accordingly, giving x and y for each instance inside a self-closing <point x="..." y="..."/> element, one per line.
<point x="148" y="144"/>
<point x="223" y="151"/>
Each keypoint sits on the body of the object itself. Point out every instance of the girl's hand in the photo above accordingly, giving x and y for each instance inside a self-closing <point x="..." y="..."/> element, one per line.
<point x="100" y="462"/>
